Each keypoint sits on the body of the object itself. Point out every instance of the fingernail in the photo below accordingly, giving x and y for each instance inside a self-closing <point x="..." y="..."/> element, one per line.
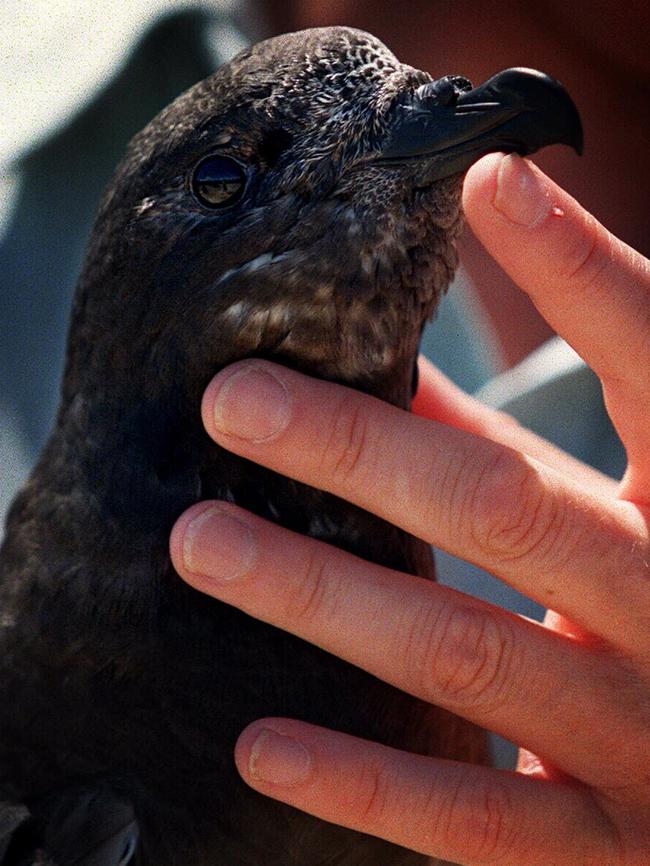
<point x="218" y="545"/>
<point x="252" y="404"/>
<point x="521" y="195"/>
<point x="277" y="758"/>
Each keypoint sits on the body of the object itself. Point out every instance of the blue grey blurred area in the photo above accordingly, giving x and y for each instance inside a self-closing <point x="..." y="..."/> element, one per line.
<point x="84" y="86"/>
<point x="460" y="340"/>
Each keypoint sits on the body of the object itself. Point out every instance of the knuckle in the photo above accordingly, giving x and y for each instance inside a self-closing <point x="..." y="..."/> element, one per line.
<point x="438" y="488"/>
<point x="589" y="257"/>
<point x="637" y="373"/>
<point x="347" y="448"/>
<point x="481" y="812"/>
<point x="314" y="595"/>
<point x="463" y="659"/>
<point x="510" y="513"/>
<point x="643" y="352"/>
<point x="372" y="795"/>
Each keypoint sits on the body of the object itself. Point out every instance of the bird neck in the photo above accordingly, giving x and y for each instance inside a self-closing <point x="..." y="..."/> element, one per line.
<point x="130" y="462"/>
<point x="141" y="460"/>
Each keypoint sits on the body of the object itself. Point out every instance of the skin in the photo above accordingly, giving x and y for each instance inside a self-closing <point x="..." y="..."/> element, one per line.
<point x="574" y="692"/>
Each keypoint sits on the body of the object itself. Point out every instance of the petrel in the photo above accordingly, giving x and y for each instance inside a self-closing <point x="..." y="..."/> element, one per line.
<point x="301" y="205"/>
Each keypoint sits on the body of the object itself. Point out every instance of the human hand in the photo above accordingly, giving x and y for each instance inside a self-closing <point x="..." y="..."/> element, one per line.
<point x="575" y="691"/>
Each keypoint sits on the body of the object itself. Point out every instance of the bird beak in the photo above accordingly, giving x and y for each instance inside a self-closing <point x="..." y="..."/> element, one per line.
<point x="451" y="125"/>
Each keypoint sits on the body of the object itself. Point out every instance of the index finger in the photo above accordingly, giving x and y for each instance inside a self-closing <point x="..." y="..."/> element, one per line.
<point x="591" y="288"/>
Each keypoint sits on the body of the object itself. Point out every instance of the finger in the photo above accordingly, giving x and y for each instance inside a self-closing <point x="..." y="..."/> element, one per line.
<point x="591" y="287"/>
<point x="439" y="399"/>
<point x="503" y="672"/>
<point x="469" y="815"/>
<point x="583" y="555"/>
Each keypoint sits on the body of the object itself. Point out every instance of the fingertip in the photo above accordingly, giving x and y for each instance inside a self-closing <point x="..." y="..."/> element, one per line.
<point x="271" y="752"/>
<point x="214" y="388"/>
<point x="177" y="535"/>
<point x="480" y="186"/>
<point x="247" y="739"/>
<point x="208" y="401"/>
<point x="244" y="746"/>
<point x="247" y="401"/>
<point x="506" y="193"/>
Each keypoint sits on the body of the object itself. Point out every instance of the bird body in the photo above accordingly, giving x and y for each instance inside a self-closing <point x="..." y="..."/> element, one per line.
<point x="255" y="216"/>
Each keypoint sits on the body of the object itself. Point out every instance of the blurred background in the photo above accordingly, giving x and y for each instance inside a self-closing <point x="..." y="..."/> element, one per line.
<point x="78" y="80"/>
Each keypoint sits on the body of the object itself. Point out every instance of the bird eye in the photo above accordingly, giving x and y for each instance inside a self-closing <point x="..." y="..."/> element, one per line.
<point x="218" y="181"/>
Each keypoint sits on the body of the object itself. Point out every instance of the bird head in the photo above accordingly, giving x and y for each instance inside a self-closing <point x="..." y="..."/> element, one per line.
<point x="302" y="203"/>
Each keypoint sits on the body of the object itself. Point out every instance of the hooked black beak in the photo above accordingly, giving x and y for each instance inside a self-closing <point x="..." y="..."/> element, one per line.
<point x="451" y="125"/>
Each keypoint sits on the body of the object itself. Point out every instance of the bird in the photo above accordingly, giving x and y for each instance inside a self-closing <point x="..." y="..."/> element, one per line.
<point x="302" y="205"/>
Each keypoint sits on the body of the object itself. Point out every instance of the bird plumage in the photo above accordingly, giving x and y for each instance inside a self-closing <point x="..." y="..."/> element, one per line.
<point x="124" y="689"/>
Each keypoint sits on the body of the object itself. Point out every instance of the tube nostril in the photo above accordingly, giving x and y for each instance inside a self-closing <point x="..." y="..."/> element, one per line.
<point x="445" y="91"/>
<point x="461" y="83"/>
